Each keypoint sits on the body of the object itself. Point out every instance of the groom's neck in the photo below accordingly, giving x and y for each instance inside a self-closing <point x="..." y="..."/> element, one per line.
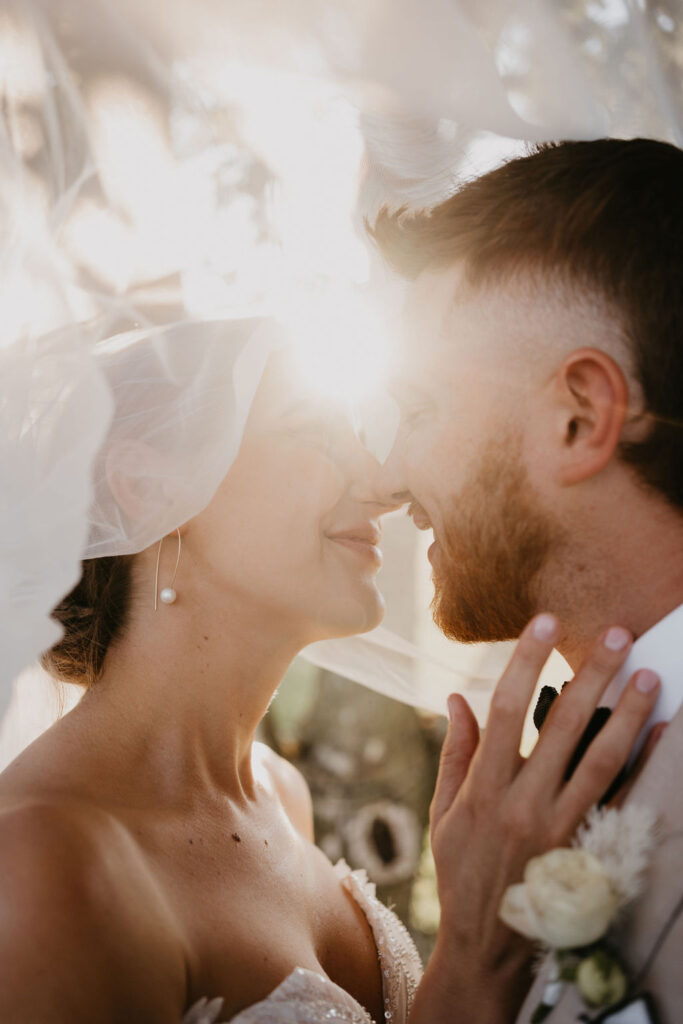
<point x="629" y="573"/>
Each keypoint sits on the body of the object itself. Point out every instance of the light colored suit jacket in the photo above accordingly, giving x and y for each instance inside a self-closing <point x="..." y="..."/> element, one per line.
<point x="650" y="936"/>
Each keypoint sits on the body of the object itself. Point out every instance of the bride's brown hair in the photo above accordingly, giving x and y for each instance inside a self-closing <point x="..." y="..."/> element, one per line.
<point x="93" y="616"/>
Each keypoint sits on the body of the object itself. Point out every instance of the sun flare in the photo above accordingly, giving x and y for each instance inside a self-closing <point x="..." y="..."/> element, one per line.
<point x="341" y="344"/>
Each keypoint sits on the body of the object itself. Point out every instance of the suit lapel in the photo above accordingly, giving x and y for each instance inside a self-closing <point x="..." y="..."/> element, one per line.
<point x="660" y="787"/>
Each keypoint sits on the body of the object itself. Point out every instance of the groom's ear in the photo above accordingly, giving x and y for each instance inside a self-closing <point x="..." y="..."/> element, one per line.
<point x="592" y="394"/>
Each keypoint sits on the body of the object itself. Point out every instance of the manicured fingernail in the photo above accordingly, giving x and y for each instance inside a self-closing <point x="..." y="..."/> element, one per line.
<point x="616" y="638"/>
<point x="451" y="708"/>
<point x="646" y="681"/>
<point x="545" y="627"/>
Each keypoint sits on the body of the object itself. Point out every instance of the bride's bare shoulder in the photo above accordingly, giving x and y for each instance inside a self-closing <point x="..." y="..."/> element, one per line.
<point x="84" y="934"/>
<point x="290" y="786"/>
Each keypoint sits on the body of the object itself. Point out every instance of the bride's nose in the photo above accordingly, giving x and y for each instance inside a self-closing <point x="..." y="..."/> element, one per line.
<point x="390" y="480"/>
<point x="366" y="483"/>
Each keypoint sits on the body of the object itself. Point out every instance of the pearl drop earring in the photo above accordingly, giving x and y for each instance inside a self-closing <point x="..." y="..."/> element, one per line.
<point x="168" y="595"/>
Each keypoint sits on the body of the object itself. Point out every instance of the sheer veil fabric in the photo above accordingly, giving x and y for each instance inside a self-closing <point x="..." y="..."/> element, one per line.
<point x="181" y="190"/>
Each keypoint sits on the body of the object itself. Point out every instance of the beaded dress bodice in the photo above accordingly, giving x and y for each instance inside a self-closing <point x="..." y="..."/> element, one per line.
<point x="306" y="997"/>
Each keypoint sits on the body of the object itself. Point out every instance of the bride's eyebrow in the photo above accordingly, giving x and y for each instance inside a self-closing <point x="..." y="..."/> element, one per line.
<point x="303" y="407"/>
<point x="404" y="392"/>
<point x="298" y="406"/>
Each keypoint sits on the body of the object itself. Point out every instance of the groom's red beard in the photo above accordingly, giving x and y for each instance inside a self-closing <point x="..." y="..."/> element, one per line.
<point x="497" y="540"/>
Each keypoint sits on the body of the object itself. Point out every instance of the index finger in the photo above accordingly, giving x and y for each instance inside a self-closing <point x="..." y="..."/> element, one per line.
<point x="497" y="761"/>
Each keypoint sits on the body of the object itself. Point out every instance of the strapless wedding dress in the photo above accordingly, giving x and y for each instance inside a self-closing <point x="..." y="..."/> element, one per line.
<point x="306" y="997"/>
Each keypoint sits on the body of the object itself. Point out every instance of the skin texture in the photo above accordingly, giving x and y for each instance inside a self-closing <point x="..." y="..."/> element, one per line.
<point x="151" y="853"/>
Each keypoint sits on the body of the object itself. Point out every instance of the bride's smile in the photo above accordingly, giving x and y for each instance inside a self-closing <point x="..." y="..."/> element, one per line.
<point x="362" y="540"/>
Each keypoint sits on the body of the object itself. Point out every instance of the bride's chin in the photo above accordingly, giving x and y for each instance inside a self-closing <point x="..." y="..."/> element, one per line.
<point x="370" y="615"/>
<point x="358" y="616"/>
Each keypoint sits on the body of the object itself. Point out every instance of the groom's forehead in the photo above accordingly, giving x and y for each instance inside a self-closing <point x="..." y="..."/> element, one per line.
<point x="429" y="302"/>
<point x="444" y="318"/>
<point x="441" y="303"/>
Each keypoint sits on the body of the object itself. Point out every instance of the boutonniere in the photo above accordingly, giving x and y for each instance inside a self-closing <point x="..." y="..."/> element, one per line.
<point x="570" y="897"/>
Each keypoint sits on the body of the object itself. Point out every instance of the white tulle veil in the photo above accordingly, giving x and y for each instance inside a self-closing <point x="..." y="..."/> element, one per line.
<point x="183" y="184"/>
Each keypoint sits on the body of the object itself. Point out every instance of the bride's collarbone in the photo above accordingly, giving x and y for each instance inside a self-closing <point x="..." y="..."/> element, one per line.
<point x="233" y="903"/>
<point x="258" y="904"/>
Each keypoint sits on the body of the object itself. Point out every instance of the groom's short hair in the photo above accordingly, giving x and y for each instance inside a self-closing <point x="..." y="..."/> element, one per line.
<point x="605" y="215"/>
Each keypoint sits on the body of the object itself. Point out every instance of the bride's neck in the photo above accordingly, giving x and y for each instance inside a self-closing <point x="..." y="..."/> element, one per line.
<point x="185" y="687"/>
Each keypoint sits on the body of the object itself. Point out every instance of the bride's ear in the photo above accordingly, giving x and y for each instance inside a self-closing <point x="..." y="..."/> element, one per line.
<point x="137" y="476"/>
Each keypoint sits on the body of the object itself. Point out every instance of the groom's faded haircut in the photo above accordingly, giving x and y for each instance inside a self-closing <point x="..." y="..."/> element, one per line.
<point x="606" y="215"/>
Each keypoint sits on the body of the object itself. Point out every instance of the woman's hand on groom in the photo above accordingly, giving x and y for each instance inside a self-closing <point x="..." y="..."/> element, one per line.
<point x="493" y="810"/>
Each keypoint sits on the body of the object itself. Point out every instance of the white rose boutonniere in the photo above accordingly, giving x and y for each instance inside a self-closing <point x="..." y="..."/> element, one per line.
<point x="570" y="897"/>
<point x="566" y="900"/>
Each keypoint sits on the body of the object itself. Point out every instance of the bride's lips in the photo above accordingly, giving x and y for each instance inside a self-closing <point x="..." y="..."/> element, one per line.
<point x="362" y="540"/>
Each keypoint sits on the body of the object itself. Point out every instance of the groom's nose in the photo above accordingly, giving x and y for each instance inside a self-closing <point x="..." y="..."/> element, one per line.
<point x="391" y="483"/>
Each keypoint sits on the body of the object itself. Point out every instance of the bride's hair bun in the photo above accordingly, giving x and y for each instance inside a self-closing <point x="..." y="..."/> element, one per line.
<point x="93" y="615"/>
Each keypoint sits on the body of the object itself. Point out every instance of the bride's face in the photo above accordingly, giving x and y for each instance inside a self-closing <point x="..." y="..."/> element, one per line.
<point x="294" y="528"/>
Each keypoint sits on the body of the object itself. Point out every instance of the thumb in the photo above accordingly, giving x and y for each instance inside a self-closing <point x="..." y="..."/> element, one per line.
<point x="457" y="752"/>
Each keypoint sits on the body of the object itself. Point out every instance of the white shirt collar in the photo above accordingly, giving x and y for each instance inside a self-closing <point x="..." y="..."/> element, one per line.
<point x="660" y="649"/>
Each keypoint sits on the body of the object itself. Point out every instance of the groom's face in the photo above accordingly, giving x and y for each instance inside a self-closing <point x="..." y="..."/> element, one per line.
<point x="462" y="455"/>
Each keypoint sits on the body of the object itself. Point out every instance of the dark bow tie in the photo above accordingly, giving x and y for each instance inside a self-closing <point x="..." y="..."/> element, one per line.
<point x="545" y="701"/>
